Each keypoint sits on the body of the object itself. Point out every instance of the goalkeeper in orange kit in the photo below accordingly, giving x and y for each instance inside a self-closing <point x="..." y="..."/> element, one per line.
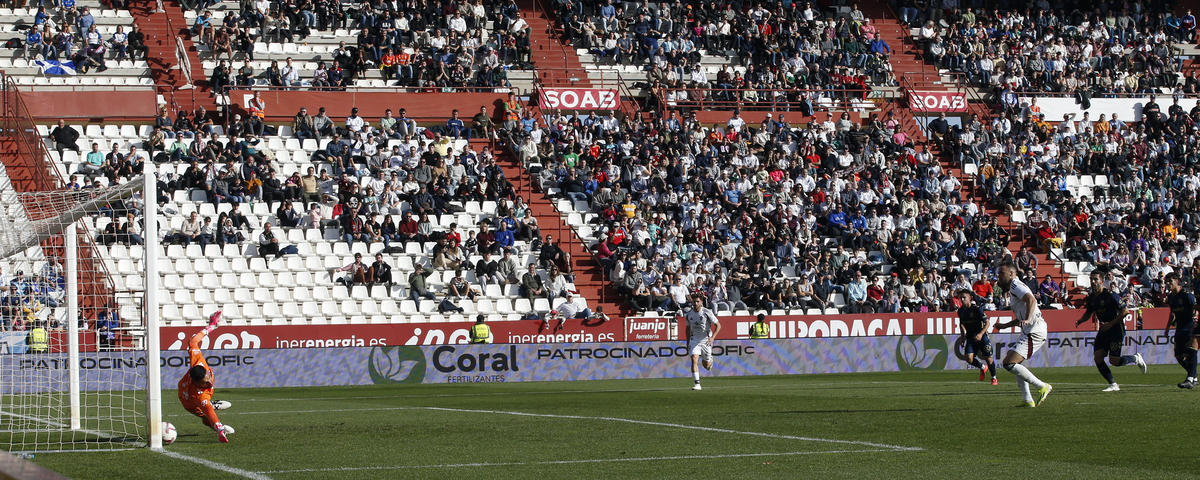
<point x="196" y="386"/>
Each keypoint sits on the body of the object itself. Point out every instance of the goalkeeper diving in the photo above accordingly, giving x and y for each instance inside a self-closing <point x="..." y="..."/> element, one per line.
<point x="196" y="386"/>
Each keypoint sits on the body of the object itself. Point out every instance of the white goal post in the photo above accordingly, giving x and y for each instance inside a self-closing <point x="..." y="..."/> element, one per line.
<point x="79" y="343"/>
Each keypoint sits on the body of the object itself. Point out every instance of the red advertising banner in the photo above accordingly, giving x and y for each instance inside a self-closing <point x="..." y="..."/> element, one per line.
<point x="579" y="98"/>
<point x="88" y="341"/>
<point x="632" y="329"/>
<point x="368" y="335"/>
<point x="938" y="101"/>
<point x="886" y="324"/>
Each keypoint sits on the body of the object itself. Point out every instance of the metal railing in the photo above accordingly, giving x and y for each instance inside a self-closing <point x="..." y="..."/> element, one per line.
<point x="907" y="87"/>
<point x="185" y="64"/>
<point x="365" y="89"/>
<point x="554" y="28"/>
<point x="182" y="61"/>
<point x="909" y="46"/>
<point x="608" y="80"/>
<point x="734" y="99"/>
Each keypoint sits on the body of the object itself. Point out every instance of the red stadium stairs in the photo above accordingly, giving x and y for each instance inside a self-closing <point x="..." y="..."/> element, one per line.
<point x="161" y="35"/>
<point x="555" y="59"/>
<point x="589" y="275"/>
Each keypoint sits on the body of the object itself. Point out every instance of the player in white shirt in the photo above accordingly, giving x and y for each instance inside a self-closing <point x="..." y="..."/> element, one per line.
<point x="702" y="327"/>
<point x="1033" y="334"/>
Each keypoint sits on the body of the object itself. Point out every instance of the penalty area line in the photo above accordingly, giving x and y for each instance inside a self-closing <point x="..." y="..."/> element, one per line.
<point x="800" y="386"/>
<point x="609" y="419"/>
<point x="214" y="465"/>
<point x="567" y="462"/>
<point x="690" y="427"/>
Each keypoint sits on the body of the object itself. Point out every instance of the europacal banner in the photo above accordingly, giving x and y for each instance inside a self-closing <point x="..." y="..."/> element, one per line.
<point x="410" y="364"/>
<point x="887" y="324"/>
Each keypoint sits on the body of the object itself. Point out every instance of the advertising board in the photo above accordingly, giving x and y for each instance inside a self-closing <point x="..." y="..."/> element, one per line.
<point x="412" y="364"/>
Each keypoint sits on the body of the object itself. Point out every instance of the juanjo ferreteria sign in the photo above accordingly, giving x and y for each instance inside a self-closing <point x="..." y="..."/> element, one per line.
<point x="579" y="98"/>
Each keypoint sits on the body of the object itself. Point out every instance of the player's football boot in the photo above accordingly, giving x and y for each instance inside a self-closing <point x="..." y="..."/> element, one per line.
<point x="982" y="372"/>
<point x="994" y="381"/>
<point x="221" y="405"/>
<point x="1112" y="387"/>
<point x="1188" y="384"/>
<point x="1043" y="393"/>
<point x="1137" y="358"/>
<point x="696" y="387"/>
<point x="1026" y="405"/>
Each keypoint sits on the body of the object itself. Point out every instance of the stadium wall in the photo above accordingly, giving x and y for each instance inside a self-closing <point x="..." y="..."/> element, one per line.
<point x="411" y="364"/>
<point x="108" y="106"/>
<point x="1126" y="108"/>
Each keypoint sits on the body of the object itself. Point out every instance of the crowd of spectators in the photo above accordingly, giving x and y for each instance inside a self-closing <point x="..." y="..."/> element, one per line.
<point x="67" y="32"/>
<point x="382" y="182"/>
<point x="1117" y="48"/>
<point x="1138" y="222"/>
<point x="29" y="299"/>
<point x="786" y="48"/>
<point x="433" y="45"/>
<point x="770" y="217"/>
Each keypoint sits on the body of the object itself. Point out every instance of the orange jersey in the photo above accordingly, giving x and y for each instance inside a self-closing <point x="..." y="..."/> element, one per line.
<point x="194" y="396"/>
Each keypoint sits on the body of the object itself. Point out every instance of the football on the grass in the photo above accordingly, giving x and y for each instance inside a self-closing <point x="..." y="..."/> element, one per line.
<point x="168" y="433"/>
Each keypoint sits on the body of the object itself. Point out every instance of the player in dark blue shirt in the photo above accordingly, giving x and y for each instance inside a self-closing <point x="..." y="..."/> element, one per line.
<point x="975" y="326"/>
<point x="1108" y="311"/>
<point x="1183" y="318"/>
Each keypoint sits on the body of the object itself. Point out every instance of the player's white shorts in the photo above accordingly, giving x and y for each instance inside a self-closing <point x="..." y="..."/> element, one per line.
<point x="1032" y="338"/>
<point x="702" y="348"/>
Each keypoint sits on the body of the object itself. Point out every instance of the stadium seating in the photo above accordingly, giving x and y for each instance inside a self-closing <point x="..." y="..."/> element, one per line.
<point x="123" y="74"/>
<point x="320" y="46"/>
<point x="297" y="287"/>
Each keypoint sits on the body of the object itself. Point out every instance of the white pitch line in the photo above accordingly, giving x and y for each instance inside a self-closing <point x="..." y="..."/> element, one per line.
<point x="376" y="409"/>
<point x="65" y="427"/>
<point x="624" y="390"/>
<point x="214" y="465"/>
<point x="95" y="450"/>
<point x="566" y="462"/>
<point x="676" y="425"/>
<point x="607" y="419"/>
<point x="208" y="463"/>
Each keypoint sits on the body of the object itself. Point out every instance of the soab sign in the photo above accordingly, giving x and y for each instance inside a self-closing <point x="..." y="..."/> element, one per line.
<point x="938" y="101"/>
<point x="579" y="98"/>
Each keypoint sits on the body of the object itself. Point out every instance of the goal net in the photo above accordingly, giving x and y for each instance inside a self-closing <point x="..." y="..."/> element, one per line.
<point x="73" y="349"/>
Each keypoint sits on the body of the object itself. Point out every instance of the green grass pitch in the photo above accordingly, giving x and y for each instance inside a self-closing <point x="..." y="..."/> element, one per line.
<point x="886" y="425"/>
